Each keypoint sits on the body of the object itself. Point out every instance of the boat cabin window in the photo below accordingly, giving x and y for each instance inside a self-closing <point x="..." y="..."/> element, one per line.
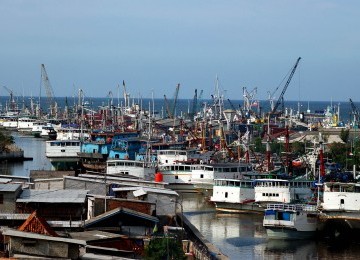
<point x="226" y="194"/>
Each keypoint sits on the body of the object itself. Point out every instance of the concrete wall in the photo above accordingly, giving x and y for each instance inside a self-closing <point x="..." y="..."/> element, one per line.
<point x="48" y="184"/>
<point x="43" y="248"/>
<point x="8" y="205"/>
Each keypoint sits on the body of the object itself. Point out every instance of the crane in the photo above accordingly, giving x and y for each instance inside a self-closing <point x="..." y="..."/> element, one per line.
<point x="281" y="97"/>
<point x="12" y="101"/>
<point x="354" y="112"/>
<point x="166" y="103"/>
<point x="49" y="91"/>
<point x="194" y="105"/>
<point x="173" y="108"/>
<point x="126" y="96"/>
<point x="239" y="113"/>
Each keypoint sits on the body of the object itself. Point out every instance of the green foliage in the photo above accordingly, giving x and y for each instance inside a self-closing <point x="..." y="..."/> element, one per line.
<point x="164" y="248"/>
<point x="298" y="147"/>
<point x="259" y="146"/>
<point x="277" y="148"/>
<point x="344" y="135"/>
<point x="5" y="140"/>
<point x="338" y="152"/>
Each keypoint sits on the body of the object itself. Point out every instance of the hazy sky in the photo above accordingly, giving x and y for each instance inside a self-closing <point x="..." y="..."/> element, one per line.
<point x="154" y="45"/>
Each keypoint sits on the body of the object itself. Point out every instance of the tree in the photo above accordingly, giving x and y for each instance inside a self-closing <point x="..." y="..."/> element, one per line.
<point x="258" y="145"/>
<point x="5" y="140"/>
<point x="164" y="248"/>
<point x="298" y="147"/>
<point x="338" y="152"/>
<point x="344" y="135"/>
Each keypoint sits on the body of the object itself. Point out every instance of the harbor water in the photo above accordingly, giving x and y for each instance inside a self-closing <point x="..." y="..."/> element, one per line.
<point x="239" y="236"/>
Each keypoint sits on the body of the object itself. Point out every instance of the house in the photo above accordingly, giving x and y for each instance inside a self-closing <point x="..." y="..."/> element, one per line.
<point x="106" y="243"/>
<point x="96" y="205"/>
<point x="122" y="220"/>
<point x="164" y="199"/>
<point x="9" y="192"/>
<point x="61" y="208"/>
<point x="21" y="244"/>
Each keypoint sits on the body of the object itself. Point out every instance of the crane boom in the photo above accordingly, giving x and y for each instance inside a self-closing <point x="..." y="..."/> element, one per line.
<point x="169" y="115"/>
<point x="49" y="91"/>
<point x="175" y="99"/>
<point x="285" y="87"/>
<point x="355" y="112"/>
<point x="194" y="105"/>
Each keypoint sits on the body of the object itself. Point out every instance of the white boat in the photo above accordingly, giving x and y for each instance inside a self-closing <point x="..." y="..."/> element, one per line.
<point x="69" y="133"/>
<point x="291" y="221"/>
<point x="25" y="124"/>
<point x="283" y="191"/>
<point x="196" y="177"/>
<point x="10" y="122"/>
<point x="131" y="168"/>
<point x="230" y="195"/>
<point x="340" y="208"/>
<point x="171" y="156"/>
<point x="63" y="153"/>
<point x="48" y="132"/>
<point x="341" y="197"/>
<point x="252" y="194"/>
<point x="44" y="130"/>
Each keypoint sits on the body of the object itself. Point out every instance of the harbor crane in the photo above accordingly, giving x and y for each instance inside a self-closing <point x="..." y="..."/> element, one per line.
<point x="12" y="101"/>
<point x="281" y="97"/>
<point x="166" y="103"/>
<point x="171" y="110"/>
<point x="355" y="113"/>
<point x="194" y="105"/>
<point x="49" y="91"/>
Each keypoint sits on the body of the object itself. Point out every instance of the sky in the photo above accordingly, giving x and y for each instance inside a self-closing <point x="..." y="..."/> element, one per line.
<point x="154" y="45"/>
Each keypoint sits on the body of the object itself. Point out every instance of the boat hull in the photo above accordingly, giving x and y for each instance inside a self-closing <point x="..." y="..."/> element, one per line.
<point x="250" y="207"/>
<point x="287" y="233"/>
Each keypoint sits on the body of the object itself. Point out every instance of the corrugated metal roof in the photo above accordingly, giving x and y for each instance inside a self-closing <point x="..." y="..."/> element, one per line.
<point x="120" y="211"/>
<point x="147" y="190"/>
<point x="16" y="233"/>
<point x="9" y="187"/>
<point x="94" y="235"/>
<point x="5" y="180"/>
<point x="53" y="196"/>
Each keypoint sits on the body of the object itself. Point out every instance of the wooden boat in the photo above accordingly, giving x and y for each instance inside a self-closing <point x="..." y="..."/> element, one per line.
<point x="291" y="221"/>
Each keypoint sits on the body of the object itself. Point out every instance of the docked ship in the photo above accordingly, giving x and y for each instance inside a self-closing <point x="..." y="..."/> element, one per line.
<point x="340" y="209"/>
<point x="254" y="192"/>
<point x="63" y="154"/>
<point x="291" y="221"/>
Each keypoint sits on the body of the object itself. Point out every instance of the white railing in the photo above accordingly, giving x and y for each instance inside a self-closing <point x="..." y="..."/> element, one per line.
<point x="292" y="207"/>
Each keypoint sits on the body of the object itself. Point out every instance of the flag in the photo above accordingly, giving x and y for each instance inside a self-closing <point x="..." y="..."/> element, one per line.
<point x="155" y="228"/>
<point x="124" y="83"/>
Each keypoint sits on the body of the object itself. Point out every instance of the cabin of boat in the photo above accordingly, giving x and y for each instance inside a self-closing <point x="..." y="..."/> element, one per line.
<point x="62" y="149"/>
<point x="63" y="153"/>
<point x="283" y="191"/>
<point x="25" y="124"/>
<point x="291" y="221"/>
<point x="138" y="169"/>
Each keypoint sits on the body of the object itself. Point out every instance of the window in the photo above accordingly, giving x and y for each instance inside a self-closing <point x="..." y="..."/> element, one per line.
<point x="226" y="194"/>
